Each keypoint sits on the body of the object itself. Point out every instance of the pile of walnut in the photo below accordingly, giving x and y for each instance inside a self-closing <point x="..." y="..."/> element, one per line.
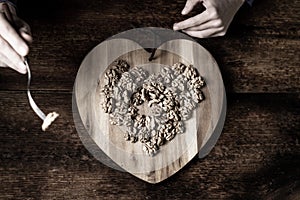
<point x="111" y="78"/>
<point x="172" y="95"/>
<point x="155" y="94"/>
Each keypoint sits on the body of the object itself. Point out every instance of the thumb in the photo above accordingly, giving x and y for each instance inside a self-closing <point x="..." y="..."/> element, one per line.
<point x="189" y="5"/>
<point x="26" y="35"/>
<point x="25" y="31"/>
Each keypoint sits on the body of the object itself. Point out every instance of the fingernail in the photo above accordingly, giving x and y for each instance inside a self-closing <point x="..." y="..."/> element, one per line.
<point x="22" y="71"/>
<point x="22" y="68"/>
<point x="175" y="27"/>
<point x="25" y="30"/>
<point x="23" y="50"/>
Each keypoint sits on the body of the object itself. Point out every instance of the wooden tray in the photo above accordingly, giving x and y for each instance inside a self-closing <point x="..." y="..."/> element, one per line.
<point x="202" y="131"/>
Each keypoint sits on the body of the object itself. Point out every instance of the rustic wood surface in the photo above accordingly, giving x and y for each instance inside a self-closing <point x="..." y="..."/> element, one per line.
<point x="256" y="157"/>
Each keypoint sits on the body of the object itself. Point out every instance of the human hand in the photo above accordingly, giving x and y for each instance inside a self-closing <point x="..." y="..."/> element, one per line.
<point x="212" y="22"/>
<point x="14" y="38"/>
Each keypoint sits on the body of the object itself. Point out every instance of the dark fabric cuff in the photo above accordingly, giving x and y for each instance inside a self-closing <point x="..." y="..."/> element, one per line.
<point x="13" y="2"/>
<point x="249" y="2"/>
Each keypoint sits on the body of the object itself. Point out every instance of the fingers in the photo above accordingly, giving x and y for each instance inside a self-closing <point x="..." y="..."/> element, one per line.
<point x="189" y="5"/>
<point x="12" y="37"/>
<point x="12" y="18"/>
<point x="13" y="46"/>
<point x="206" y="25"/>
<point x="193" y="21"/>
<point x="212" y="22"/>
<point x="10" y="58"/>
<point x="213" y="28"/>
<point x="213" y="32"/>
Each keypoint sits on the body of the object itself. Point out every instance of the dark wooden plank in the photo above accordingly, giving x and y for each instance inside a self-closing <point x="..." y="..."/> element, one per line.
<point x="248" y="65"/>
<point x="271" y="17"/>
<point x="260" y="53"/>
<point x="257" y="154"/>
<point x="256" y="157"/>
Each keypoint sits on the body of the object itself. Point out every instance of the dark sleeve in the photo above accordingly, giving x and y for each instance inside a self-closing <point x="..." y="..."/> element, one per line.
<point x="13" y="2"/>
<point x="249" y="2"/>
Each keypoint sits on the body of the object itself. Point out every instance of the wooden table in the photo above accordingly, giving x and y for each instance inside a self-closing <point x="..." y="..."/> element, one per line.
<point x="256" y="157"/>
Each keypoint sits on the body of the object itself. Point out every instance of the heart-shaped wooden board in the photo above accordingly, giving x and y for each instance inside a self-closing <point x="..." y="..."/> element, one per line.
<point x="202" y="129"/>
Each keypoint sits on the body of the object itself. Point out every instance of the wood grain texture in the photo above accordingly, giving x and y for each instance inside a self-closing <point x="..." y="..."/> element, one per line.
<point x="261" y="47"/>
<point x="257" y="156"/>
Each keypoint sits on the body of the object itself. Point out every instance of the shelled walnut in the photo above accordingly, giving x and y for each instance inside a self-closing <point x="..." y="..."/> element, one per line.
<point x="112" y="76"/>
